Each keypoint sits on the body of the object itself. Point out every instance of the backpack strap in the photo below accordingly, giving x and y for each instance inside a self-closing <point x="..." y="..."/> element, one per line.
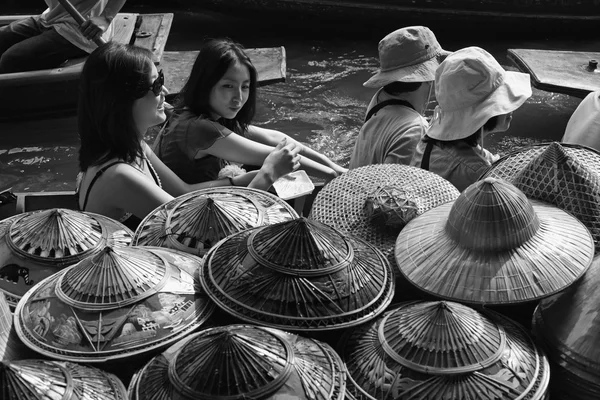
<point x="427" y="155"/>
<point x="386" y="103"/>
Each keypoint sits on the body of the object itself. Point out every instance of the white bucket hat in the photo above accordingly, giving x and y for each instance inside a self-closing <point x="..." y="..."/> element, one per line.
<point x="583" y="127"/>
<point x="471" y="87"/>
<point x="410" y="54"/>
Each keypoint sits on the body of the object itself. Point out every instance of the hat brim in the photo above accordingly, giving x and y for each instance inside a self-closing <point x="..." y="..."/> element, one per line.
<point x="421" y="72"/>
<point x="554" y="258"/>
<point x="462" y="123"/>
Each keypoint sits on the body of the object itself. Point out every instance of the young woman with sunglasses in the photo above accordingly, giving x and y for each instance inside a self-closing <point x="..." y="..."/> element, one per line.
<point x="121" y="96"/>
<point x="212" y="120"/>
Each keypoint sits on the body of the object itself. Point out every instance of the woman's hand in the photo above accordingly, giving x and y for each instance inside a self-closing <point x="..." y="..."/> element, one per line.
<point x="285" y="158"/>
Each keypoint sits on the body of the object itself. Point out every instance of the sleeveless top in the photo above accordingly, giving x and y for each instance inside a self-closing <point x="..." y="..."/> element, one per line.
<point x="128" y="219"/>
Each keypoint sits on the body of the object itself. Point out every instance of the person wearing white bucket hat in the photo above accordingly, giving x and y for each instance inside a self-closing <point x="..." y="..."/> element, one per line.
<point x="394" y="123"/>
<point x="476" y="96"/>
<point x="583" y="127"/>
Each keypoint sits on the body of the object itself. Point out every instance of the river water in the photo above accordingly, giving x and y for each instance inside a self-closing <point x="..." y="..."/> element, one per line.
<point x="322" y="102"/>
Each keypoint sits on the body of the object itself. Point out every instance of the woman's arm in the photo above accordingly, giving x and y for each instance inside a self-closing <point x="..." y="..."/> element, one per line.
<point x="239" y="149"/>
<point x="272" y="137"/>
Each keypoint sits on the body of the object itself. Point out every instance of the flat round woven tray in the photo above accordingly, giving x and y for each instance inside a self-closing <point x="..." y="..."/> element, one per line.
<point x="36" y="244"/>
<point x="42" y="379"/>
<point x="567" y="176"/>
<point x="298" y="275"/>
<point x="242" y="362"/>
<point x="116" y="304"/>
<point x="341" y="203"/>
<point x="442" y="350"/>
<point x="196" y="221"/>
<point x="567" y="325"/>
<point x="494" y="246"/>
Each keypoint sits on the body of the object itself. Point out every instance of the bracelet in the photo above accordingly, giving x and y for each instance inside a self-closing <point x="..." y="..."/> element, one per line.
<point x="231" y="181"/>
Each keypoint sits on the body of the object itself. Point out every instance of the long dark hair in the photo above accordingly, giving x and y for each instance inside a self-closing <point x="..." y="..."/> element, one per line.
<point x="213" y="61"/>
<point x="113" y="77"/>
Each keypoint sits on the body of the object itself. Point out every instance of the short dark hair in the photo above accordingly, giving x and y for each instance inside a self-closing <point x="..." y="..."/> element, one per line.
<point x="213" y="61"/>
<point x="113" y="77"/>
<point x="401" y="87"/>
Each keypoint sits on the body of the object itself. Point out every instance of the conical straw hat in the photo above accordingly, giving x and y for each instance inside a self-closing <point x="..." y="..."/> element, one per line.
<point x="242" y="362"/>
<point x="442" y="350"/>
<point x="11" y="347"/>
<point x="493" y="246"/>
<point x="568" y="325"/>
<point x="196" y="221"/>
<point x="300" y="275"/>
<point x="41" y="379"/>
<point x="116" y="304"/>
<point x="567" y="176"/>
<point x="36" y="244"/>
<point x="341" y="203"/>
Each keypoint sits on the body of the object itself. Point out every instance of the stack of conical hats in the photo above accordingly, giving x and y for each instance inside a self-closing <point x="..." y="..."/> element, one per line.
<point x="568" y="327"/>
<point x="567" y="176"/>
<point x="118" y="303"/>
<point x="11" y="348"/>
<point x="299" y="275"/>
<point x="37" y="244"/>
<point x="494" y="246"/>
<point x="196" y="221"/>
<point x="242" y="362"/>
<point x="442" y="350"/>
<point x="42" y="379"/>
<point x="375" y="202"/>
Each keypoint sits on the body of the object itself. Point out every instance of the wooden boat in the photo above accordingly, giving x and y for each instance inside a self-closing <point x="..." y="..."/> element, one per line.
<point x="384" y="11"/>
<point x="570" y="72"/>
<point x="46" y="93"/>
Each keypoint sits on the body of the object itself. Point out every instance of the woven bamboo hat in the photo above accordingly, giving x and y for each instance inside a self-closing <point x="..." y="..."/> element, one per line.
<point x="300" y="275"/>
<point x="11" y="348"/>
<point x="42" y="379"/>
<point x="36" y="244"/>
<point x="242" y="362"/>
<point x="375" y="202"/>
<point x="197" y="220"/>
<point x="442" y="350"/>
<point x="567" y="176"/>
<point x="568" y="327"/>
<point x="116" y="304"/>
<point x="493" y="246"/>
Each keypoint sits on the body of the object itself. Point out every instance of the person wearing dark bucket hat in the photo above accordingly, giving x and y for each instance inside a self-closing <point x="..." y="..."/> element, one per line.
<point x="476" y="96"/>
<point x="394" y="123"/>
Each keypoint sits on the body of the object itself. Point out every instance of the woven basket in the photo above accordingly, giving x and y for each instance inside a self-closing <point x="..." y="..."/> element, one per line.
<point x="196" y="221"/>
<point x="493" y="246"/>
<point x="299" y="275"/>
<point x="37" y="244"/>
<point x="567" y="176"/>
<point x="568" y="326"/>
<point x="442" y="350"/>
<point x="116" y="304"/>
<point x="242" y="362"/>
<point x="41" y="379"/>
<point x="347" y="202"/>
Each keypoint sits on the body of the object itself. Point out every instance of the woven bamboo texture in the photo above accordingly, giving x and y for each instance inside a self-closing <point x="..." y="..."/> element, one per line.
<point x="53" y="380"/>
<point x="494" y="246"/>
<point x="442" y="350"/>
<point x="36" y="244"/>
<point x="242" y="362"/>
<point x="11" y="347"/>
<point x="196" y="221"/>
<point x="361" y="201"/>
<point x="567" y="176"/>
<point x="116" y="304"/>
<point x="298" y="275"/>
<point x="568" y="326"/>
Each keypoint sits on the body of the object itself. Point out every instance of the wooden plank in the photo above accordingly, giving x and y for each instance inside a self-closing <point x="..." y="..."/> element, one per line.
<point x="123" y="27"/>
<point x="153" y="33"/>
<point x="270" y="64"/>
<point x="565" y="72"/>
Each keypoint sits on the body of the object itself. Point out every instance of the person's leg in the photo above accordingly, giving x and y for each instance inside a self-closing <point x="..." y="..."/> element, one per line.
<point x="17" y="31"/>
<point x="45" y="50"/>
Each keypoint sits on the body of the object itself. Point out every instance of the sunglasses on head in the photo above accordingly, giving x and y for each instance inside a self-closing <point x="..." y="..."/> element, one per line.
<point x="158" y="83"/>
